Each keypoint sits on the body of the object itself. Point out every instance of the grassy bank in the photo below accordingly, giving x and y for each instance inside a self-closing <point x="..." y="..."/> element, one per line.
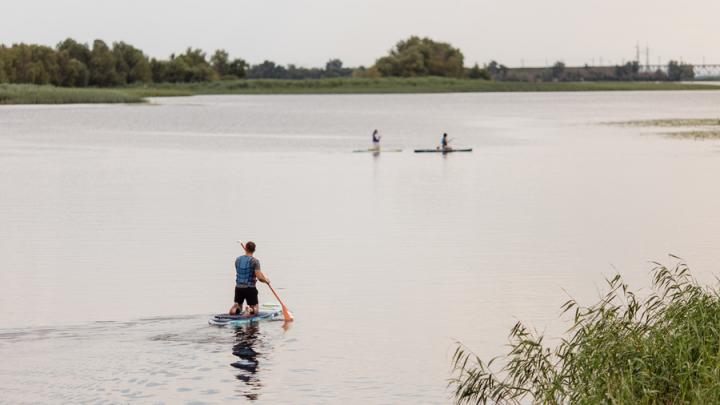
<point x="689" y="128"/>
<point x="664" y="349"/>
<point x="32" y="94"/>
<point x="404" y="85"/>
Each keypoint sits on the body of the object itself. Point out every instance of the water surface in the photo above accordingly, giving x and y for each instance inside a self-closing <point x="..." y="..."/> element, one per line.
<point x="117" y="230"/>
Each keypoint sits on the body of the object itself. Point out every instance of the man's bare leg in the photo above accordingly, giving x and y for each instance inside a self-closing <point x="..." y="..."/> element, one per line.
<point x="235" y="309"/>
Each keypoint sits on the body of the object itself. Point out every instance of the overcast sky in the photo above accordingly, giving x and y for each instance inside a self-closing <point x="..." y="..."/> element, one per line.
<point x="308" y="33"/>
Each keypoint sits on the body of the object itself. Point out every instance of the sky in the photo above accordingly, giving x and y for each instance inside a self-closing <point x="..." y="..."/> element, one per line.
<point x="310" y="32"/>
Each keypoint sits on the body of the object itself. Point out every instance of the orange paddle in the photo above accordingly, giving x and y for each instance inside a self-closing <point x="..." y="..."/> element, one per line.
<point x="286" y="312"/>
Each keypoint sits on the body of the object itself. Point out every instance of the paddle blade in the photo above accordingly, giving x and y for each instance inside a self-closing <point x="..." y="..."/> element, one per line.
<point x="287" y="314"/>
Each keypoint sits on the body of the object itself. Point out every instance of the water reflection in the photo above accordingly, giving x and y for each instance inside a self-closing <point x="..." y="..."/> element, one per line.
<point x="246" y="342"/>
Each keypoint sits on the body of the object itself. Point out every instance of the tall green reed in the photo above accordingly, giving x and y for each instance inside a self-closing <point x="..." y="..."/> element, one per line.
<point x="664" y="348"/>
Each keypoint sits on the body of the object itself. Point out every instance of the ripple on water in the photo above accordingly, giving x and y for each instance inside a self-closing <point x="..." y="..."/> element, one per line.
<point x="143" y="361"/>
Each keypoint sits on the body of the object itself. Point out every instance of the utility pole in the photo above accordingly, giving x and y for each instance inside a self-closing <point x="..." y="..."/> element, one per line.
<point x="637" y="53"/>
<point x="647" y="58"/>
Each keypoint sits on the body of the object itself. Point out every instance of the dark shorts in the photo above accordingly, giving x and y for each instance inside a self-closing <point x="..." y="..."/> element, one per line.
<point x="246" y="294"/>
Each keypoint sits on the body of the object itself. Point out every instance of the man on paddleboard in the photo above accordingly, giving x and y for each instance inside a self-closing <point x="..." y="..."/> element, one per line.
<point x="247" y="273"/>
<point x="376" y="140"/>
<point x="445" y="143"/>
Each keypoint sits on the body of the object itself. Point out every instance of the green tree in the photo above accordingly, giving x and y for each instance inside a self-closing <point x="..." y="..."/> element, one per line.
<point x="237" y="68"/>
<point x="678" y="71"/>
<point x="476" y="72"/>
<point x="422" y="57"/>
<point x="334" y="68"/>
<point x="76" y="50"/>
<point x="267" y="70"/>
<point x="131" y="65"/>
<point x="72" y="72"/>
<point x="220" y="61"/>
<point x="497" y="70"/>
<point x="159" y="70"/>
<point x="558" y="71"/>
<point x="102" y="66"/>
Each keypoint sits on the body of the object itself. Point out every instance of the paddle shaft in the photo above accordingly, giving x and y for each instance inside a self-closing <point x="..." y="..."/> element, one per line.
<point x="286" y="311"/>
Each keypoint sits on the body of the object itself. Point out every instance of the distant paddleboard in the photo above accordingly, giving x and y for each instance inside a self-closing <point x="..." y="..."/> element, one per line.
<point x="442" y="151"/>
<point x="370" y="150"/>
<point x="268" y="312"/>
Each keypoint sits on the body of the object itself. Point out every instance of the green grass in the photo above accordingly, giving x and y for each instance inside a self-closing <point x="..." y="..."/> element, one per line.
<point x="663" y="349"/>
<point x="32" y="94"/>
<point x="403" y="85"/>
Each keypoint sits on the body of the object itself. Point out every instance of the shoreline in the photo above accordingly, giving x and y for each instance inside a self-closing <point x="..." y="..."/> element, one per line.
<point x="45" y="94"/>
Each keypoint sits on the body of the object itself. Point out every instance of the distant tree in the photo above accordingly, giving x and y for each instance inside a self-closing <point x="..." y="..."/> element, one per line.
<point x="73" y="73"/>
<point x="476" y="72"/>
<point x="558" y="71"/>
<point x="78" y="51"/>
<point x="334" y="68"/>
<point x="628" y="71"/>
<point x="158" y="69"/>
<point x="497" y="71"/>
<point x="267" y="70"/>
<point x="190" y="66"/>
<point x="131" y="65"/>
<point x="220" y="61"/>
<point x="3" y="73"/>
<point x="678" y="71"/>
<point x="102" y="66"/>
<point x="368" y="73"/>
<point x="422" y="57"/>
<point x="237" y="68"/>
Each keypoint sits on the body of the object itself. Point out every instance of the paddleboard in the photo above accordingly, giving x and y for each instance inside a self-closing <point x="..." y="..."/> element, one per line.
<point x="376" y="150"/>
<point x="268" y="312"/>
<point x="442" y="151"/>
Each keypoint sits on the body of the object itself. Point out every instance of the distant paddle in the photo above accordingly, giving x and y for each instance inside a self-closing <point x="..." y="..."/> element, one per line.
<point x="286" y="312"/>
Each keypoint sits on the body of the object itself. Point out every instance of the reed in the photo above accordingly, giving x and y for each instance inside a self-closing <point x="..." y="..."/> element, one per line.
<point x="663" y="349"/>
<point x="33" y="94"/>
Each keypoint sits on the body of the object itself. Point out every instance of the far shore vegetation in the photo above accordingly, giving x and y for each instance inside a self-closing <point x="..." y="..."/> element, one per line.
<point x="414" y="65"/>
<point x="688" y="128"/>
<point x="48" y="94"/>
<point x="661" y="347"/>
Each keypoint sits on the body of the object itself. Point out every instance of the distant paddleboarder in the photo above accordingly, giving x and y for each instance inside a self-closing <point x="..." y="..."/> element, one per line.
<point x="445" y="142"/>
<point x="247" y="272"/>
<point x="376" y="140"/>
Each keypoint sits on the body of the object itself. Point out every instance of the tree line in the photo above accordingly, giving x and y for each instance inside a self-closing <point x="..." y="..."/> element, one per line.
<point x="74" y="64"/>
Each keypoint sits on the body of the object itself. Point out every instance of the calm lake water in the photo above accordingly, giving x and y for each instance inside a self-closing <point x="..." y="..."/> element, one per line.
<point x="118" y="228"/>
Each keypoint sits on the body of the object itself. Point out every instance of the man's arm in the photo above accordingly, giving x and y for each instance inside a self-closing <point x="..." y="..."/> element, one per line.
<point x="260" y="276"/>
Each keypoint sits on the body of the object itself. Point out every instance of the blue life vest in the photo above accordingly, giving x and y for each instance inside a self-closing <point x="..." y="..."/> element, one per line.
<point x="245" y="271"/>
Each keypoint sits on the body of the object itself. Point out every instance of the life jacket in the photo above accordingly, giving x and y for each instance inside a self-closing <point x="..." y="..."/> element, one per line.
<point x="245" y="271"/>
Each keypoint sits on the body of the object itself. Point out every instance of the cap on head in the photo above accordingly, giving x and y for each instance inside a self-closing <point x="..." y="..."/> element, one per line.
<point x="250" y="247"/>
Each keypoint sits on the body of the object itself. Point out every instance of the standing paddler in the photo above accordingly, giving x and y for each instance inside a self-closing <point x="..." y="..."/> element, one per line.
<point x="376" y="140"/>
